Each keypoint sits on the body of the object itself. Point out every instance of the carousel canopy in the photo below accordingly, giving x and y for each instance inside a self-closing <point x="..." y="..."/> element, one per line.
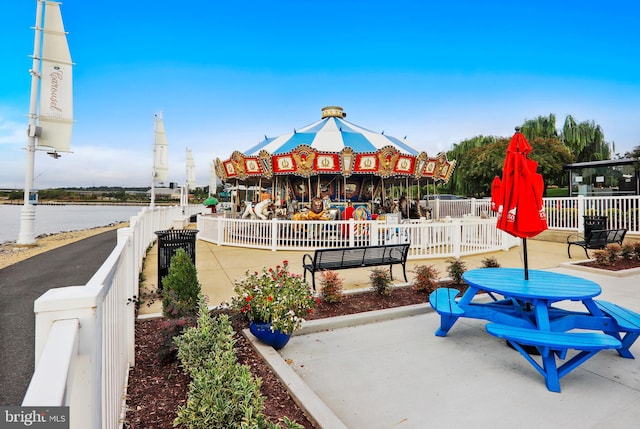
<point x="332" y="146"/>
<point x="332" y="134"/>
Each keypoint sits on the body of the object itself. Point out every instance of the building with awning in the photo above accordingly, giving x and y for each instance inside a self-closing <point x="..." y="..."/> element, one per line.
<point x="611" y="177"/>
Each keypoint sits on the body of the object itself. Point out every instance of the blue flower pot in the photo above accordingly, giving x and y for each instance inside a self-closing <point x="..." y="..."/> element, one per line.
<point x="262" y="331"/>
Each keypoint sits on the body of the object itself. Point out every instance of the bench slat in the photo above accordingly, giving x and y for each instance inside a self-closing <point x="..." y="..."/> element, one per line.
<point x="443" y="300"/>
<point x="552" y="344"/>
<point x="627" y="319"/>
<point x="554" y="340"/>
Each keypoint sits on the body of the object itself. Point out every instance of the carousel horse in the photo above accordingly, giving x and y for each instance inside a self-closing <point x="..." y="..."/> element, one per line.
<point x="261" y="210"/>
<point x="292" y="208"/>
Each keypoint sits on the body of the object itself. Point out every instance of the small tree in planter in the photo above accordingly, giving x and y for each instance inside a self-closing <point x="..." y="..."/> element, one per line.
<point x="490" y="262"/>
<point x="456" y="269"/>
<point x="180" y="287"/>
<point x="331" y="286"/>
<point x="636" y="249"/>
<point x="627" y="252"/>
<point x="426" y="279"/>
<point x="609" y="255"/>
<point x="381" y="281"/>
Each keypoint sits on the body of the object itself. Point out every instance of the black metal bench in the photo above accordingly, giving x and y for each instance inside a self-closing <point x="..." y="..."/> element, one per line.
<point x="597" y="239"/>
<point x="356" y="257"/>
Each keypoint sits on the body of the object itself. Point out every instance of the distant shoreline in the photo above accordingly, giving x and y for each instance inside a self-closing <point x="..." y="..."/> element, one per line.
<point x="11" y="253"/>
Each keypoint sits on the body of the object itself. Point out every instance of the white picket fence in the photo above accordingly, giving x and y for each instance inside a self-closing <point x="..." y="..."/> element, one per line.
<point x="85" y="334"/>
<point x="454" y="237"/>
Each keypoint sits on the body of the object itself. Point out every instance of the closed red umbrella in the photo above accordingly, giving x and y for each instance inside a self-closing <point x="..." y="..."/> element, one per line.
<point x="496" y="194"/>
<point x="518" y="195"/>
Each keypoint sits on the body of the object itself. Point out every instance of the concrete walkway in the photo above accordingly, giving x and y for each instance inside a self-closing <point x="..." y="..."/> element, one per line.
<point x="388" y="370"/>
<point x="396" y="373"/>
<point x="20" y="285"/>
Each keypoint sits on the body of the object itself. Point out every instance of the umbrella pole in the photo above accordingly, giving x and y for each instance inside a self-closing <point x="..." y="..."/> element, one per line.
<point x="526" y="261"/>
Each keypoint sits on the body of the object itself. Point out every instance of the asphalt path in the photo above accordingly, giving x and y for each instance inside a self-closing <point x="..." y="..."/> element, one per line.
<point x="20" y="285"/>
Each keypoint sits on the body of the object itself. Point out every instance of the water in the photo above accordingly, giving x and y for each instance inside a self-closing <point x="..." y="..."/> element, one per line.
<point x="54" y="219"/>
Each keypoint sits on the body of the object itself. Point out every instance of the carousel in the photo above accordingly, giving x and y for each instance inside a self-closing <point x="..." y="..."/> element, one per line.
<point x="321" y="170"/>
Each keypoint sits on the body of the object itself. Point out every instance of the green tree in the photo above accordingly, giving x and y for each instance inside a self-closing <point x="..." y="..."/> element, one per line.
<point x="180" y="287"/>
<point x="459" y="153"/>
<point x="585" y="140"/>
<point x="541" y="126"/>
<point x="482" y="164"/>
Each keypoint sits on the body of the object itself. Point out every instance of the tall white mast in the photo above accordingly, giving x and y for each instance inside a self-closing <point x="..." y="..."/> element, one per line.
<point x="160" y="156"/>
<point x="191" y="171"/>
<point x="27" y="234"/>
<point x="50" y="120"/>
<point x="153" y="170"/>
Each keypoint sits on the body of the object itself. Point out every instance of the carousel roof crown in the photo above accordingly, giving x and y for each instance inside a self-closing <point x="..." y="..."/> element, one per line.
<point x="333" y="145"/>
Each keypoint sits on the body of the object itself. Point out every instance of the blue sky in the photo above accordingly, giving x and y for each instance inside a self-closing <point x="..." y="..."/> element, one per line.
<point x="226" y="73"/>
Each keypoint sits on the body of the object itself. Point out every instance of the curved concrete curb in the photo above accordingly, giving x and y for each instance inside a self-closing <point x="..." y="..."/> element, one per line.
<point x="306" y="398"/>
<point x="621" y="273"/>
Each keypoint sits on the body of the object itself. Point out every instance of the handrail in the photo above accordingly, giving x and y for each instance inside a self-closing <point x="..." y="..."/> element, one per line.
<point x="49" y="382"/>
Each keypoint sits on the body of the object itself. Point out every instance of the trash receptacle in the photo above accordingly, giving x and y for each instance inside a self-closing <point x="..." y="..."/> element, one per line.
<point x="169" y="242"/>
<point x="593" y="223"/>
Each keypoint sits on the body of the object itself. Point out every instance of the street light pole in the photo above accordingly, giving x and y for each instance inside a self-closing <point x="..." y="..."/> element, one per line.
<point x="27" y="235"/>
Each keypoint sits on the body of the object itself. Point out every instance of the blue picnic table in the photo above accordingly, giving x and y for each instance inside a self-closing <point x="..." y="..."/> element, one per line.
<point x="523" y="313"/>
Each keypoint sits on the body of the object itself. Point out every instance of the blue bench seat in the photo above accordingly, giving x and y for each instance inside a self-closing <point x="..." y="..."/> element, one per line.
<point x="443" y="300"/>
<point x="628" y="321"/>
<point x="552" y="344"/>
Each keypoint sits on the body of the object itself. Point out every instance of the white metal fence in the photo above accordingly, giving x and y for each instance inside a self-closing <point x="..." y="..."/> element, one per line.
<point x="85" y="334"/>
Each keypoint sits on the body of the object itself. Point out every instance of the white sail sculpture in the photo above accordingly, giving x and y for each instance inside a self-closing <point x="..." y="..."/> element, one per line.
<point x="51" y="120"/>
<point x="160" y="157"/>
<point x="191" y="171"/>
<point x="56" y="92"/>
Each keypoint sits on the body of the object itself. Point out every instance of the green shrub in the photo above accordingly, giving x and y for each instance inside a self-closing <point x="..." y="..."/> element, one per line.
<point x="202" y="343"/>
<point x="456" y="268"/>
<point x="222" y="393"/>
<point x="381" y="281"/>
<point x="627" y="251"/>
<point x="636" y="249"/>
<point x="331" y="286"/>
<point x="490" y="262"/>
<point x="609" y="255"/>
<point x="426" y="279"/>
<point x="180" y="287"/>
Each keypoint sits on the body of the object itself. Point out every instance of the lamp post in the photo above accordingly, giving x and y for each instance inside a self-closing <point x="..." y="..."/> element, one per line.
<point x="27" y="235"/>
